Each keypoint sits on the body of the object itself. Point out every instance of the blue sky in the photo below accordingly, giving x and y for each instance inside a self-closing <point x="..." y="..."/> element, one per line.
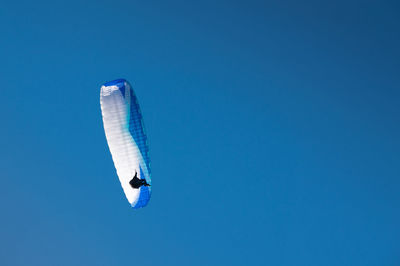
<point x="273" y="129"/>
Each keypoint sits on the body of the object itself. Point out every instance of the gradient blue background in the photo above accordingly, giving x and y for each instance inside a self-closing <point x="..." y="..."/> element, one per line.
<point x="273" y="128"/>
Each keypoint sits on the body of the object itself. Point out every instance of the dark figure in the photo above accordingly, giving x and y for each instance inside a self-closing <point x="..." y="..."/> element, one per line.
<point x="137" y="183"/>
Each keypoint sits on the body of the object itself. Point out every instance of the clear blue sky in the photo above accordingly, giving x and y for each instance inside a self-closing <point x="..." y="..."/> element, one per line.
<point x="273" y="127"/>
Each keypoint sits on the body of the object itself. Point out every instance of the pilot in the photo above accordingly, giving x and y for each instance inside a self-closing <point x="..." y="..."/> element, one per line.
<point x="137" y="183"/>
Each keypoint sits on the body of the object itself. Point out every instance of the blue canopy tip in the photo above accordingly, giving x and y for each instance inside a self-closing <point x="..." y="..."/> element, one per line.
<point x="115" y="82"/>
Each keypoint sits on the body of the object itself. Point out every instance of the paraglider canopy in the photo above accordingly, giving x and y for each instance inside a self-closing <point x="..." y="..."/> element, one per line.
<point x="126" y="138"/>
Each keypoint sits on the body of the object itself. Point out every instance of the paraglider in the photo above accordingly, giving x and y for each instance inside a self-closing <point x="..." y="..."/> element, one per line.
<point x="127" y="140"/>
<point x="137" y="183"/>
